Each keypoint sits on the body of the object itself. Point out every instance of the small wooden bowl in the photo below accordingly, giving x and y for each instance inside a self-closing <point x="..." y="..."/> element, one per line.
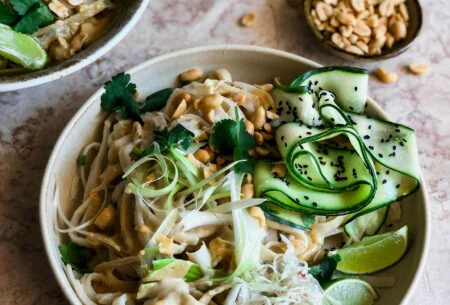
<point x="413" y="30"/>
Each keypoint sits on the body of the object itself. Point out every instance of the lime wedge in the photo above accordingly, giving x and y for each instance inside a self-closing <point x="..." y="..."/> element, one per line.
<point x="21" y="49"/>
<point x="348" y="292"/>
<point x="373" y="253"/>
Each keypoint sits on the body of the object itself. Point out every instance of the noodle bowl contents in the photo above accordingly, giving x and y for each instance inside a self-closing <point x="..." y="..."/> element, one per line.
<point x="223" y="192"/>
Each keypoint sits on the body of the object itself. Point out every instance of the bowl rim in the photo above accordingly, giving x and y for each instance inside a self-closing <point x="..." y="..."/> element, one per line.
<point x="307" y="5"/>
<point x="55" y="263"/>
<point x="6" y="86"/>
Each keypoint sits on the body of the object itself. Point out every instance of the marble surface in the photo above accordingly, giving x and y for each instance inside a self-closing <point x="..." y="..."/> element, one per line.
<point x="31" y="120"/>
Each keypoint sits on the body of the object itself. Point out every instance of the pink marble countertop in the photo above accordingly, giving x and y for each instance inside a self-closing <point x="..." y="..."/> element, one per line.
<point x="32" y="119"/>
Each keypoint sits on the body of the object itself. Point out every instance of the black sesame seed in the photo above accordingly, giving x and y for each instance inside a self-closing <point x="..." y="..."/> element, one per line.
<point x="380" y="155"/>
<point x="401" y="144"/>
<point x="371" y="147"/>
<point x="356" y="88"/>
<point x="367" y="137"/>
<point x="384" y="181"/>
<point x="397" y="186"/>
<point x="314" y="204"/>
<point x="306" y="197"/>
<point x="351" y="108"/>
<point x="282" y="138"/>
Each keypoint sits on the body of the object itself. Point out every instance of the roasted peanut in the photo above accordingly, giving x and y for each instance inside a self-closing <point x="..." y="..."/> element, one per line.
<point x="346" y="18"/>
<point x="202" y="155"/>
<point x="179" y="110"/>
<point x="386" y="77"/>
<point x="259" y="138"/>
<point x="354" y="50"/>
<point x="361" y="29"/>
<point x="418" y="68"/>
<point x="191" y="75"/>
<point x="271" y="115"/>
<point x="210" y="101"/>
<point x="262" y="151"/>
<point x="259" y="117"/>
<point x="222" y="74"/>
<point x="239" y="98"/>
<point x="248" y="19"/>
<point x="267" y="128"/>
<point x="358" y="5"/>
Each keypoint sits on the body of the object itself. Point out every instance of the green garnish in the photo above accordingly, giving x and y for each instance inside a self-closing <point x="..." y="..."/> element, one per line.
<point x="38" y="15"/>
<point x="75" y="256"/>
<point x="81" y="160"/>
<point x="7" y="15"/>
<point x="119" y="97"/>
<point x="166" y="138"/>
<point x="156" y="101"/>
<point x="25" y="16"/>
<point x="23" y="6"/>
<point x="323" y="271"/>
<point x="230" y="137"/>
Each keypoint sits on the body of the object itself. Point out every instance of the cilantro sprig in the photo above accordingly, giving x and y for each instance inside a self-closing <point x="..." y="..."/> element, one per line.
<point x="323" y="271"/>
<point x="25" y="16"/>
<point x="75" y="256"/>
<point x="230" y="137"/>
<point x="119" y="97"/>
<point x="167" y="138"/>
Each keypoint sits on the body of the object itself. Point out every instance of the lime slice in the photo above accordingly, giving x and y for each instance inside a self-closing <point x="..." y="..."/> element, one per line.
<point x="373" y="253"/>
<point x="348" y="292"/>
<point x="21" y="49"/>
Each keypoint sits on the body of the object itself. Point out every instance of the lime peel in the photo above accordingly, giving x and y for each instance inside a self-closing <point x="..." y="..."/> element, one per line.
<point x="373" y="253"/>
<point x="349" y="291"/>
<point x="21" y="49"/>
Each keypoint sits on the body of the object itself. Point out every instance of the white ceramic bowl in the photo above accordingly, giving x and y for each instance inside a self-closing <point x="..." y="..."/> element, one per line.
<point x="246" y="63"/>
<point x="128" y="13"/>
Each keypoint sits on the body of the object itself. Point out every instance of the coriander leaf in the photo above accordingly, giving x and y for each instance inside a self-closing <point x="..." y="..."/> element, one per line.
<point x="156" y="101"/>
<point x="75" y="255"/>
<point x="323" y="271"/>
<point x="23" y="6"/>
<point x="38" y="15"/>
<point x="81" y="160"/>
<point x="230" y="137"/>
<point x="7" y="15"/>
<point x="119" y="96"/>
<point x="177" y="136"/>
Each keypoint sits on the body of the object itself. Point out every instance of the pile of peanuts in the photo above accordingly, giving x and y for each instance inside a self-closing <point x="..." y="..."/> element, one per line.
<point x="362" y="27"/>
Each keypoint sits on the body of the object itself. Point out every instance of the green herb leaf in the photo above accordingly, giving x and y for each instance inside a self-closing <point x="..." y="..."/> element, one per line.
<point x="119" y="96"/>
<point x="230" y="137"/>
<point x="323" y="271"/>
<point x="175" y="137"/>
<point x="23" y="6"/>
<point x="7" y="15"/>
<point x="81" y="160"/>
<point x="75" y="255"/>
<point x="38" y="15"/>
<point x="156" y="101"/>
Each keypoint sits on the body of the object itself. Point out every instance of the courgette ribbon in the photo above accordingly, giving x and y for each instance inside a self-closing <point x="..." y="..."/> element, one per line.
<point x="352" y="164"/>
